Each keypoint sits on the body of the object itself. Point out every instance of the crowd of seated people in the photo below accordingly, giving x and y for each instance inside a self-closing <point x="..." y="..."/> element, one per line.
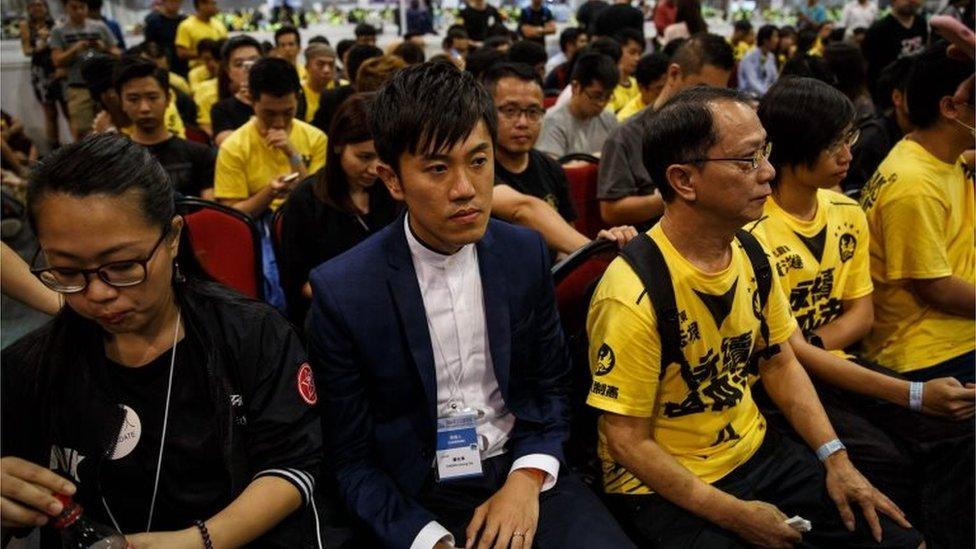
<point x="771" y="361"/>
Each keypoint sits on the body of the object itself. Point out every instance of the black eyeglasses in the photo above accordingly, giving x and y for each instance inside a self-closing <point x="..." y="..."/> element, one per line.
<point x="120" y="274"/>
<point x="512" y="112"/>
<point x="761" y="155"/>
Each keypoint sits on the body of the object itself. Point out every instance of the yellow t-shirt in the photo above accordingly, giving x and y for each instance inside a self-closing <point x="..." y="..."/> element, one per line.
<point x="920" y="214"/>
<point x="623" y="95"/>
<point x="302" y="72"/>
<point x="171" y="119"/>
<point x="633" y="107"/>
<point x="198" y="75"/>
<point x="741" y="49"/>
<point x="205" y="95"/>
<point x="246" y="164"/>
<point x="821" y="262"/>
<point x="177" y="82"/>
<point x="312" y="99"/>
<point x="711" y="428"/>
<point x="192" y="30"/>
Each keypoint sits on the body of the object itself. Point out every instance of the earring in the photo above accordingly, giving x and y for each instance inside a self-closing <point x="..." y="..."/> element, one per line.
<point x="177" y="274"/>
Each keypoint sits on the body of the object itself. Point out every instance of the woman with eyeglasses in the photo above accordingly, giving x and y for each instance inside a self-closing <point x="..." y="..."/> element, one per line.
<point x="818" y="239"/>
<point x="173" y="409"/>
<point x="335" y="209"/>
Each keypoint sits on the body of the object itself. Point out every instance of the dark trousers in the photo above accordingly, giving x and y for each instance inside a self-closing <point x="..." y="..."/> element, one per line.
<point x="962" y="367"/>
<point x="781" y="473"/>
<point x="570" y="514"/>
<point x="923" y="464"/>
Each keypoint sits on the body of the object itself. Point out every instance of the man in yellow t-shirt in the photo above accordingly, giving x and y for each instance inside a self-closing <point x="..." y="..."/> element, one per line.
<point x="320" y="60"/>
<point x="254" y="163"/>
<point x="919" y="207"/>
<point x="199" y="26"/>
<point x="687" y="457"/>
<point x="631" y="46"/>
<point x="208" y="53"/>
<point x="651" y="75"/>
<point x="818" y="241"/>
<point x="288" y="44"/>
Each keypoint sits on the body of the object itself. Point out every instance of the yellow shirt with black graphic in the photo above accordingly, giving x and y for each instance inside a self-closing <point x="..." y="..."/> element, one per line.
<point x="920" y="215"/>
<point x="706" y="417"/>
<point x="246" y="164"/>
<point x="192" y="30"/>
<point x="624" y="94"/>
<point x="821" y="262"/>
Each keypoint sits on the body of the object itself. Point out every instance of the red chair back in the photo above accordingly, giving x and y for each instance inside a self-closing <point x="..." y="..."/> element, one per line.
<point x="226" y="244"/>
<point x="549" y="102"/>
<point x="582" y="171"/>
<point x="575" y="279"/>
<point x="197" y="135"/>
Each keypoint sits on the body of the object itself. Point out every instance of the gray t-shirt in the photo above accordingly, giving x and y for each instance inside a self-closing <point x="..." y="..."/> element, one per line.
<point x="563" y="133"/>
<point x="65" y="35"/>
<point x="622" y="171"/>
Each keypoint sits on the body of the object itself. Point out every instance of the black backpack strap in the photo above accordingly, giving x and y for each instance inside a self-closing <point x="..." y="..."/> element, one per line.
<point x="764" y="282"/>
<point x="647" y="261"/>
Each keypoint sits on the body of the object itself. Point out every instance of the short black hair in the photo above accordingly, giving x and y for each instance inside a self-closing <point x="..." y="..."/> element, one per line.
<point x="132" y="67"/>
<point x="286" y="30"/>
<point x="607" y="46"/>
<point x="683" y="129"/>
<point x="108" y="164"/>
<point x="893" y="77"/>
<point x="933" y="76"/>
<point x="482" y="59"/>
<point x="596" y="67"/>
<point x="629" y="34"/>
<point x="427" y="108"/>
<point x="650" y="68"/>
<point x="849" y="68"/>
<point x="528" y="52"/>
<point x="343" y="46"/>
<point x="809" y="66"/>
<point x="319" y="39"/>
<point x="803" y="117"/>
<point x="492" y="42"/>
<point x="237" y="42"/>
<point x="411" y="35"/>
<point x="411" y="53"/>
<point x="358" y="55"/>
<point x="704" y="49"/>
<point x="765" y="34"/>
<point x="208" y="45"/>
<point x="520" y="71"/>
<point x="272" y="76"/>
<point x="365" y="29"/>
<point x="742" y="25"/>
<point x="568" y="37"/>
<point x="97" y="72"/>
<point x="673" y="47"/>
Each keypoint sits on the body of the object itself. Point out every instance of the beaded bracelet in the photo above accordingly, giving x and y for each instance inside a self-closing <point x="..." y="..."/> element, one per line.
<point x="204" y="533"/>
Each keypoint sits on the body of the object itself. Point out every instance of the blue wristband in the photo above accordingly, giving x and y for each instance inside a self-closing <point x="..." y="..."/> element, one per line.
<point x="915" y="395"/>
<point x="829" y="448"/>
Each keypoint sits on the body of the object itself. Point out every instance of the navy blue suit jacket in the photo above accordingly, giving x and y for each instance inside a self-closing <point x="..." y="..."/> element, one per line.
<point x="371" y="351"/>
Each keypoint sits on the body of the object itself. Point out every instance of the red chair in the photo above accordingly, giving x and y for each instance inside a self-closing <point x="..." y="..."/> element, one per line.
<point x="197" y="135"/>
<point x="575" y="278"/>
<point x="582" y="171"/>
<point x="550" y="98"/>
<point x="226" y="244"/>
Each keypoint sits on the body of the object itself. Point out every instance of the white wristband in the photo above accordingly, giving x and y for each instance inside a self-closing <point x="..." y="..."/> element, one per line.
<point x="915" y="395"/>
<point x="829" y="448"/>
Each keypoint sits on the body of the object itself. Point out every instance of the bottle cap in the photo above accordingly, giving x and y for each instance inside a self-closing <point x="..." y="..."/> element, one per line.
<point x="69" y="514"/>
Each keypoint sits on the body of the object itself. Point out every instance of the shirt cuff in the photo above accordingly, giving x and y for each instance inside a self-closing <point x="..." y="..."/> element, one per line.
<point x="543" y="462"/>
<point x="431" y="534"/>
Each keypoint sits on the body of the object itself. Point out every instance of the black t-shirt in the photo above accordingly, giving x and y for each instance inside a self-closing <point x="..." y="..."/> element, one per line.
<point x="477" y="22"/>
<point x="878" y="135"/>
<point x="543" y="178"/>
<point x="162" y="30"/>
<point x="328" y="105"/>
<point x="887" y="40"/>
<point x="535" y="18"/>
<point x="193" y="482"/>
<point x="190" y="165"/>
<point x="314" y="232"/>
<point x="616" y="17"/>
<point x="229" y="114"/>
<point x="588" y="12"/>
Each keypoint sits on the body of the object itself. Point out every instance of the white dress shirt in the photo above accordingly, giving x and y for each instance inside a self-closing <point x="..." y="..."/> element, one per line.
<point x="455" y="310"/>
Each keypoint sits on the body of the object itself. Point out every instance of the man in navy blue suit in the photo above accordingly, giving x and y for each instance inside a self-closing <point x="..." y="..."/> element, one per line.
<point x="438" y="347"/>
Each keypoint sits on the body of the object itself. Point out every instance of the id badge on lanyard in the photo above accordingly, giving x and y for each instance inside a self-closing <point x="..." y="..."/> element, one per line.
<point x="458" y="455"/>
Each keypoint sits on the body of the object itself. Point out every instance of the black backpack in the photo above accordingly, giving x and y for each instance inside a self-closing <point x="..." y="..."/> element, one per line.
<point x="647" y="261"/>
